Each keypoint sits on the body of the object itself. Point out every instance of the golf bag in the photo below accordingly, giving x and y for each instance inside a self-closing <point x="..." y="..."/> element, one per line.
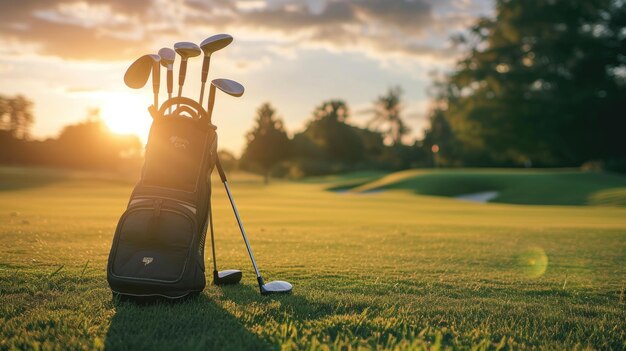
<point x="158" y="247"/>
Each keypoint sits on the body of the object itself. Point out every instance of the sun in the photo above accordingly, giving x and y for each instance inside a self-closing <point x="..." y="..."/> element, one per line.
<point x="126" y="113"/>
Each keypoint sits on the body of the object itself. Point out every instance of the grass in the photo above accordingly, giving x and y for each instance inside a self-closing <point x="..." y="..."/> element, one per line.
<point x="389" y="270"/>
<point x="528" y="187"/>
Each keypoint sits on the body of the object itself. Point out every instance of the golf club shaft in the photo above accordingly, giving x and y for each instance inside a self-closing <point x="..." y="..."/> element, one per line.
<point x="156" y="82"/>
<point x="243" y="232"/>
<point x="181" y="76"/>
<point x="170" y="80"/>
<point x="201" y="93"/>
<point x="209" y="109"/>
<point x="205" y="73"/>
<point x="170" y="84"/>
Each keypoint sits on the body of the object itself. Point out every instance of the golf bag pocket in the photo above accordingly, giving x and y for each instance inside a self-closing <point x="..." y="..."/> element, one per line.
<point x="153" y="251"/>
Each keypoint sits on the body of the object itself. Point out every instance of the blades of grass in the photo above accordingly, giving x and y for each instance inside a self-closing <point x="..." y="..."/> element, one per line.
<point x="55" y="272"/>
<point x="84" y="269"/>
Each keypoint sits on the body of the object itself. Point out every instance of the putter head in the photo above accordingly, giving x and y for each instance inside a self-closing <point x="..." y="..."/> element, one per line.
<point x="139" y="71"/>
<point x="226" y="277"/>
<point x="275" y="287"/>
<point x="228" y="86"/>
<point x="167" y="57"/>
<point x="186" y="49"/>
<point x="214" y="43"/>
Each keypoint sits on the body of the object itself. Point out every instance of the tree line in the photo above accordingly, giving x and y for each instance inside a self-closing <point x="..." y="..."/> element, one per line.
<point x="85" y="145"/>
<point x="329" y="143"/>
<point x="539" y="84"/>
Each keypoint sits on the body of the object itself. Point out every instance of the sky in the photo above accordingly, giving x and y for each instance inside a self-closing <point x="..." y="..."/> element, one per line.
<point x="69" y="56"/>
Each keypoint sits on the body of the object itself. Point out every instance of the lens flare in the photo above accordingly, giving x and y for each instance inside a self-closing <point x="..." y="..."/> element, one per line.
<point x="533" y="262"/>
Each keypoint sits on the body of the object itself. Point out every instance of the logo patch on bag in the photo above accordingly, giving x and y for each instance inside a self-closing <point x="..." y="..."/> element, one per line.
<point x="178" y="142"/>
<point x="147" y="260"/>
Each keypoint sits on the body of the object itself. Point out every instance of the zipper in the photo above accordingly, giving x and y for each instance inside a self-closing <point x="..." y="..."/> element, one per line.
<point x="142" y="199"/>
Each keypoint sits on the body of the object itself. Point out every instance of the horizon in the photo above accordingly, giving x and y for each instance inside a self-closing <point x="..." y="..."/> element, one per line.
<point x="292" y="54"/>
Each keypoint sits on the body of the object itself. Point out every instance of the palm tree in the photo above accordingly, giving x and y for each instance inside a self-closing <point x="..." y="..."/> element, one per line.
<point x="387" y="117"/>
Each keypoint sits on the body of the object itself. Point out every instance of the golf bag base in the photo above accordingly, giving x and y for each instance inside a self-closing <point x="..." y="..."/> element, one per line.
<point x="158" y="247"/>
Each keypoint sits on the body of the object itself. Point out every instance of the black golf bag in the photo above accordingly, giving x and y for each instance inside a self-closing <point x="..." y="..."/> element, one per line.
<point x="158" y="247"/>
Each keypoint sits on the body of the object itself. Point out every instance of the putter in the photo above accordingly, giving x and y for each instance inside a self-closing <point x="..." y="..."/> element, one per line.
<point x="274" y="287"/>
<point x="138" y="72"/>
<point x="229" y="276"/>
<point x="185" y="50"/>
<point x="167" y="60"/>
<point x="209" y="46"/>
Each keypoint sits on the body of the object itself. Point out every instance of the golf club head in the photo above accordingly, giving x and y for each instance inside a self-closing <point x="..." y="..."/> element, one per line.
<point x="226" y="277"/>
<point x="156" y="65"/>
<point x="186" y="50"/>
<point x="138" y="72"/>
<point x="167" y="57"/>
<point x="215" y="43"/>
<point x="228" y="86"/>
<point x="276" y="287"/>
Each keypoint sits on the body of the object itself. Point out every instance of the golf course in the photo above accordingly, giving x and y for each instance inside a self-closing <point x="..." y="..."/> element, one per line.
<point x="377" y="261"/>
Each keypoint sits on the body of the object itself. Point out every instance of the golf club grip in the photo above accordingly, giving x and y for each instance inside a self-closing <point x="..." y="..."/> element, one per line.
<point x="220" y="170"/>
<point x="170" y="81"/>
<point x="182" y="72"/>
<point x="205" y="68"/>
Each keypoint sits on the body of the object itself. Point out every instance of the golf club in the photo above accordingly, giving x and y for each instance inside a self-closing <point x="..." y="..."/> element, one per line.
<point x="273" y="287"/>
<point x="233" y="88"/>
<point x="209" y="46"/>
<point x="228" y="86"/>
<point x="229" y="276"/>
<point x="185" y="50"/>
<point x="167" y="60"/>
<point x="138" y="72"/>
<point x="156" y="77"/>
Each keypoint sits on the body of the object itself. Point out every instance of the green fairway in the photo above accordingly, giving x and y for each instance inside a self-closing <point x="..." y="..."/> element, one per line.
<point x="531" y="187"/>
<point x="371" y="270"/>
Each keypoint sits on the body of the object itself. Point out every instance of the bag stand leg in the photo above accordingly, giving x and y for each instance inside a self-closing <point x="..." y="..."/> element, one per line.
<point x="229" y="276"/>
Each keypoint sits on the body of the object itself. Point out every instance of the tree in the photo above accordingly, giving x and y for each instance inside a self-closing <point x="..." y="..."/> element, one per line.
<point x="439" y="141"/>
<point x="338" y="141"/>
<point x="16" y="116"/>
<point x="387" y="117"/>
<point x="544" y="83"/>
<point x="268" y="143"/>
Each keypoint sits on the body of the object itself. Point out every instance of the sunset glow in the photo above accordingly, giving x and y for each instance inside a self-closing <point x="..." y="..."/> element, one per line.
<point x="126" y="113"/>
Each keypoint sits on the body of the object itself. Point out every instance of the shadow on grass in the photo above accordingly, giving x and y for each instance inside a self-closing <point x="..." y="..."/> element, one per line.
<point x="292" y="306"/>
<point x="200" y="323"/>
<point x="196" y="323"/>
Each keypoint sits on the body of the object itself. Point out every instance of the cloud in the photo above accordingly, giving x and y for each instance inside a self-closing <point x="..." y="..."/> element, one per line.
<point x="120" y="30"/>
